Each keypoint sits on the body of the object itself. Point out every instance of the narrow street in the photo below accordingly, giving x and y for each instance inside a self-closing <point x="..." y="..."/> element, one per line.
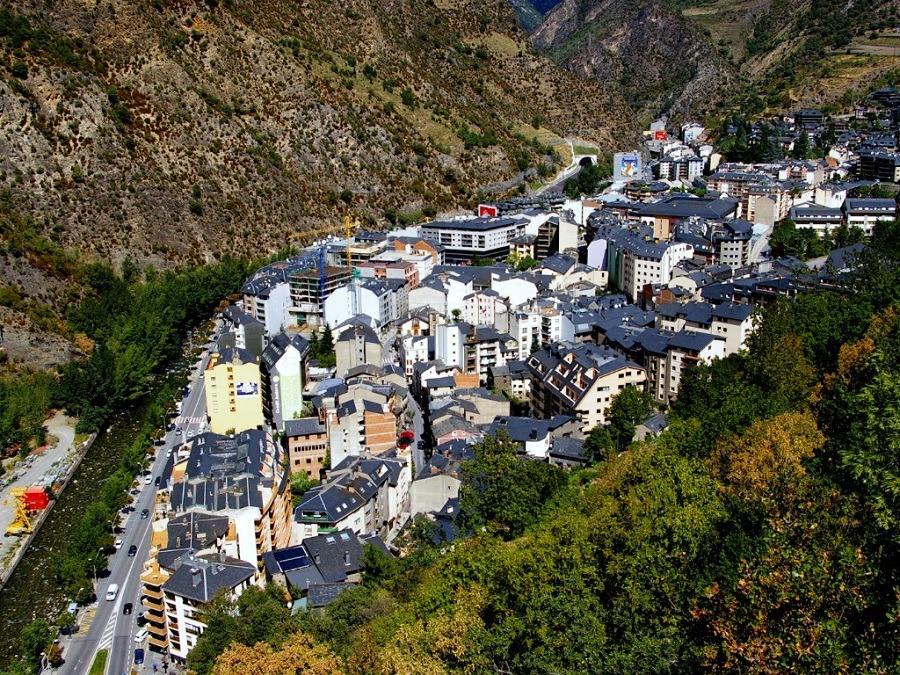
<point x="110" y="629"/>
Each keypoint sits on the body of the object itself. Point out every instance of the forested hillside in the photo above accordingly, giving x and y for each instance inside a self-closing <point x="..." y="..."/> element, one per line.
<point x="758" y="534"/>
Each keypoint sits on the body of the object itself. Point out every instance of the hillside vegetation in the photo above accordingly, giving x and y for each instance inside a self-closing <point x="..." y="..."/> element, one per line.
<point x="686" y="57"/>
<point x="758" y="534"/>
<point x="184" y="130"/>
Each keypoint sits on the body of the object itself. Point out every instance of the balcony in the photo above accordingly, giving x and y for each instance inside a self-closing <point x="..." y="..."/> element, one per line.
<point x="152" y="603"/>
<point x="150" y="591"/>
<point x="162" y="643"/>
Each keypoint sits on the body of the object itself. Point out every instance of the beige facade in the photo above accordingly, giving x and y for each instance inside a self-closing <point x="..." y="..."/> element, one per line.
<point x="233" y="392"/>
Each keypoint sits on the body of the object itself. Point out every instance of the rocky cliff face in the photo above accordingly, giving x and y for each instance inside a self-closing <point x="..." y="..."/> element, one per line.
<point x="176" y="130"/>
<point x="660" y="61"/>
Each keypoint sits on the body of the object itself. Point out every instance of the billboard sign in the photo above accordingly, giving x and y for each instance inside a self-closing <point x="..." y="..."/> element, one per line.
<point x="626" y="166"/>
<point x="247" y="388"/>
<point x="660" y="135"/>
<point x="488" y="211"/>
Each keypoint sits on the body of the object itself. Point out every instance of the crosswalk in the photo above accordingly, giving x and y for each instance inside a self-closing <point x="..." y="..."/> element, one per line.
<point x="182" y="421"/>
<point x="106" y="639"/>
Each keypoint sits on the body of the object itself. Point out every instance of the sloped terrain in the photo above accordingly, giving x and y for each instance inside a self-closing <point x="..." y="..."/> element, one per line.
<point x="178" y="131"/>
<point x="660" y="61"/>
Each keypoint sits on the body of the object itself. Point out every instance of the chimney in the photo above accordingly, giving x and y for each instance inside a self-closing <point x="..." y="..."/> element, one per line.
<point x="221" y="555"/>
<point x="317" y="559"/>
<point x="195" y="576"/>
<point x="346" y="557"/>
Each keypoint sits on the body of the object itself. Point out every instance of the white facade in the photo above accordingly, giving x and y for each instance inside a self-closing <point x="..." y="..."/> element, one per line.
<point x="486" y="309"/>
<point x="517" y="291"/>
<point x="373" y="299"/>
<point x="272" y="310"/>
<point x="449" y="345"/>
<point x="413" y="349"/>
<point x="639" y="270"/>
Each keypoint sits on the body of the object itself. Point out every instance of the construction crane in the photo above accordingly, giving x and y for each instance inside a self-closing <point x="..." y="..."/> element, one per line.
<point x="21" y="523"/>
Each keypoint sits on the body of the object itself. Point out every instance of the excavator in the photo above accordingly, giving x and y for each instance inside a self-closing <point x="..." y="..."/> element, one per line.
<point x="21" y="523"/>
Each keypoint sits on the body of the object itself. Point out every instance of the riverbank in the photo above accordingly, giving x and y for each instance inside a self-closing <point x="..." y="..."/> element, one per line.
<point x="33" y="590"/>
<point x="53" y="468"/>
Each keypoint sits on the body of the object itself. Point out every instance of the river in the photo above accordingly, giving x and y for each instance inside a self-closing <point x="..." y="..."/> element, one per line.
<point x="32" y="590"/>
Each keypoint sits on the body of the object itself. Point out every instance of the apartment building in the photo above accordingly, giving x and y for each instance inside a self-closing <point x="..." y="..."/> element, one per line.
<point x="579" y="380"/>
<point x="731" y="322"/>
<point x="242" y="477"/>
<point x="309" y="288"/>
<point x="306" y="443"/>
<point x="282" y="376"/>
<point x="233" y="391"/>
<point x="189" y="564"/>
<point x="463" y="240"/>
<point x="356" y="346"/>
<point x="362" y="495"/>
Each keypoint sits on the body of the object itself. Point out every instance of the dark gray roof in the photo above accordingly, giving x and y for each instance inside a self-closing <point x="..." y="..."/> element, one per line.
<point x="280" y="344"/>
<point x="305" y="426"/>
<point x="236" y="354"/>
<point x="200" y="577"/>
<point x="471" y="225"/>
<point x="336" y="554"/>
<point x="225" y="473"/>
<point x="656" y="422"/>
<point x="196" y="529"/>
<point x="322" y="595"/>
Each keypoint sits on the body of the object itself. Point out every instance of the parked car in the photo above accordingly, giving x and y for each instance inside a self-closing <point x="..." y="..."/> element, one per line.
<point x="141" y="635"/>
<point x="156" y="482"/>
<point x="132" y="551"/>
<point x="118" y="544"/>
<point x="148" y="480"/>
<point x="112" y="592"/>
<point x="138" y="656"/>
<point x="126" y="608"/>
<point x="140" y="620"/>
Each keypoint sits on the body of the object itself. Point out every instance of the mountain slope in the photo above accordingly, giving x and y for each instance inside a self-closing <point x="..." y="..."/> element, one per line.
<point x="169" y="130"/>
<point x="686" y="57"/>
<point x="658" y="59"/>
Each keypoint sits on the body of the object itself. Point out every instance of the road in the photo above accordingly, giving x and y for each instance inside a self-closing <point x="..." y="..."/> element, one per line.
<point x="110" y="629"/>
<point x="43" y="468"/>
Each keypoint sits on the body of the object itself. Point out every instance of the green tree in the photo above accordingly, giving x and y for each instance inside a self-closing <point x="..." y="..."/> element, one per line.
<point x="300" y="485"/>
<point x="36" y="637"/>
<point x="801" y="146"/>
<point x="627" y="409"/>
<point x="500" y="489"/>
<point x="600" y="444"/>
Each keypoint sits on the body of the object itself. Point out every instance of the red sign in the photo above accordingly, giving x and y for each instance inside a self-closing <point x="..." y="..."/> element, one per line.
<point x="488" y="211"/>
<point x="660" y="135"/>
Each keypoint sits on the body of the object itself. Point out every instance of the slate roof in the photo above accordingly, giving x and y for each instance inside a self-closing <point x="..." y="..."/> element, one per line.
<point x="227" y="473"/>
<point x="336" y="554"/>
<point x="196" y="529"/>
<point x="280" y="344"/>
<point x="304" y="426"/>
<point x="200" y="577"/>
<point x="322" y="595"/>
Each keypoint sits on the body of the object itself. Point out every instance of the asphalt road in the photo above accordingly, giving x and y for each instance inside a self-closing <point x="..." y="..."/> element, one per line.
<point x="111" y="629"/>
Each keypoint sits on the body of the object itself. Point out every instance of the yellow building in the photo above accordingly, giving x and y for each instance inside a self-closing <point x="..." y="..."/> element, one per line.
<point x="233" y="395"/>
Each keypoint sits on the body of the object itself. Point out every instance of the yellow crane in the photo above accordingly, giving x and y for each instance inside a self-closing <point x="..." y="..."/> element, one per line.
<point x="21" y="523"/>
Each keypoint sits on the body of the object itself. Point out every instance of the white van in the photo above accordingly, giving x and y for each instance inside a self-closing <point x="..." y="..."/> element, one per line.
<point x="112" y="592"/>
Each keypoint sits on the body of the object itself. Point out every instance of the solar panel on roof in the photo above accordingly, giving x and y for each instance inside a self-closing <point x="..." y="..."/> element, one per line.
<point x="292" y="559"/>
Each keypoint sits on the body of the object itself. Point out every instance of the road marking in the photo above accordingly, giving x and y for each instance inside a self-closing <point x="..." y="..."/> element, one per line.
<point x="181" y="421"/>
<point x="106" y="639"/>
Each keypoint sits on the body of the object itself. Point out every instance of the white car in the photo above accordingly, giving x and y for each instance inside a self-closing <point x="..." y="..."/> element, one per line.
<point x="118" y="544"/>
<point x="141" y="635"/>
<point x="148" y="479"/>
